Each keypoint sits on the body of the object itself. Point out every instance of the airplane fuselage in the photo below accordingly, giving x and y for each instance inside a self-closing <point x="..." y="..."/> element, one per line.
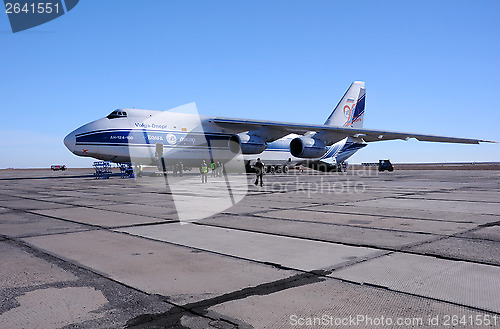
<point x="140" y="135"/>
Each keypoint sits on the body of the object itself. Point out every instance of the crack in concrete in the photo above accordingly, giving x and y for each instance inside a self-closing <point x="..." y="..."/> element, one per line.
<point x="167" y="319"/>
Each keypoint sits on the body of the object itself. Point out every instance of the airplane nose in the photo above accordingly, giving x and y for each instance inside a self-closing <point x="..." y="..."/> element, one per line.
<point x="70" y="141"/>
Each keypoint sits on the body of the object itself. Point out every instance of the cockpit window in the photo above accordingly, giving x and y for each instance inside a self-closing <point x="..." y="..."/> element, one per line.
<point x="117" y="114"/>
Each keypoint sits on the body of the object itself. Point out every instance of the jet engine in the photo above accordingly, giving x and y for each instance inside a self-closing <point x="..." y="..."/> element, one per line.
<point x="307" y="147"/>
<point x="247" y="144"/>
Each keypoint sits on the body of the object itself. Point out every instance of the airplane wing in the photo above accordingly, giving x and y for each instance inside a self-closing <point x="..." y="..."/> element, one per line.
<point x="273" y="130"/>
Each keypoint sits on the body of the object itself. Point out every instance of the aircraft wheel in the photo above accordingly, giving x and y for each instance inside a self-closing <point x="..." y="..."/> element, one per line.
<point x="285" y="169"/>
<point x="278" y="169"/>
<point x="272" y="169"/>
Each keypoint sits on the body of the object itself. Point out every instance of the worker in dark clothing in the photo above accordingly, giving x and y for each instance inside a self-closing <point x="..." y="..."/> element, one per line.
<point x="181" y="169"/>
<point x="259" y="167"/>
<point x="219" y="169"/>
<point x="204" y="172"/>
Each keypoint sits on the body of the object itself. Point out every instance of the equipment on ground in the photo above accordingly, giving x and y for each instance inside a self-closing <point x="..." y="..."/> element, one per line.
<point x="126" y="170"/>
<point x="385" y="165"/>
<point x="102" y="169"/>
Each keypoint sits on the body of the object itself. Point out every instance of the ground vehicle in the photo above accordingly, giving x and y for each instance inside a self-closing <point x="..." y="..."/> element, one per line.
<point x="385" y="165"/>
<point x="58" y="167"/>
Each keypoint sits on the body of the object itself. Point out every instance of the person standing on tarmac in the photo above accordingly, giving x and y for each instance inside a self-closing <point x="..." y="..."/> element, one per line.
<point x="212" y="166"/>
<point x="140" y="170"/>
<point x="175" y="170"/>
<point x="181" y="169"/>
<point x="259" y="167"/>
<point x="219" y="169"/>
<point x="204" y="171"/>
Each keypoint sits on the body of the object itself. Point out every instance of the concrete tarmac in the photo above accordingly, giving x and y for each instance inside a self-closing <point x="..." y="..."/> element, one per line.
<point x="411" y="248"/>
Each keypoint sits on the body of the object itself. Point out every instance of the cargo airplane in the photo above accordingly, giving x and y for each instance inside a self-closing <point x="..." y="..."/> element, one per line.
<point x="168" y="137"/>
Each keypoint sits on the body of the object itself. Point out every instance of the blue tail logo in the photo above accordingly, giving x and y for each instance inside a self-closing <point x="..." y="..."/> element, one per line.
<point x="359" y="108"/>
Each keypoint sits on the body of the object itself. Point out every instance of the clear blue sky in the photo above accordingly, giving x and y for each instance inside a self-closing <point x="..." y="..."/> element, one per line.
<point x="429" y="67"/>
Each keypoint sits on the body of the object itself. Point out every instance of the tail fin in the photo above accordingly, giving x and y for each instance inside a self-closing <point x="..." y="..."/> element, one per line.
<point x="351" y="108"/>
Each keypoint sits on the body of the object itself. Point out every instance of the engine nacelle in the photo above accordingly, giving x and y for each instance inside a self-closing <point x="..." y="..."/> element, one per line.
<point x="307" y="147"/>
<point x="247" y="144"/>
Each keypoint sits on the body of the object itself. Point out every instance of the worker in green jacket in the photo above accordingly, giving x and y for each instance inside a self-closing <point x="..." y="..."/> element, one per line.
<point x="140" y="170"/>
<point x="212" y="166"/>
